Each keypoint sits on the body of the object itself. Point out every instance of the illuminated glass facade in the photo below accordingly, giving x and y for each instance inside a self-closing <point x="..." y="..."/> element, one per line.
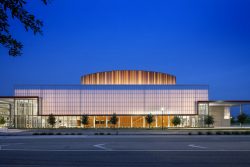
<point x="119" y="99"/>
<point x="130" y="94"/>
<point x="130" y="102"/>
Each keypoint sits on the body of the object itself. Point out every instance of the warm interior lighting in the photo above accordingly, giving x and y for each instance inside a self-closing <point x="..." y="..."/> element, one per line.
<point x="128" y="77"/>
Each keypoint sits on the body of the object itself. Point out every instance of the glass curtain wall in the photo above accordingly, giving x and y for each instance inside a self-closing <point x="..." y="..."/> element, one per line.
<point x="6" y="111"/>
<point x="21" y="112"/>
<point x="69" y="102"/>
<point x="122" y="100"/>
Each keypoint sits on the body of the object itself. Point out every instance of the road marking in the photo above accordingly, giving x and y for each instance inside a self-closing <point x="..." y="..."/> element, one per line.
<point x="42" y="150"/>
<point x="195" y="146"/>
<point x="2" y="146"/>
<point x="7" y="144"/>
<point x="17" y="165"/>
<point x="101" y="146"/>
<point x="13" y="143"/>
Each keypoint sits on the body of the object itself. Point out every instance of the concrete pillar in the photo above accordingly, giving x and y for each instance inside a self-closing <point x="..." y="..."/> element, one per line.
<point x="67" y="118"/>
<point x="131" y="121"/>
<point x="106" y="121"/>
<point x="119" y="122"/>
<point x="168" y="121"/>
<point x="16" y="122"/>
<point x="94" y="121"/>
<point x="143" y="121"/>
<point x="156" y="121"/>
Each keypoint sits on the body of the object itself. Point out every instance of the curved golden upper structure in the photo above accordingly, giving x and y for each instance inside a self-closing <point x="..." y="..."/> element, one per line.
<point x="128" y="77"/>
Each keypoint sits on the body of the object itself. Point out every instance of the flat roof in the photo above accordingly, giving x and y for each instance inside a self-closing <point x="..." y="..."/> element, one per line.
<point x="226" y="103"/>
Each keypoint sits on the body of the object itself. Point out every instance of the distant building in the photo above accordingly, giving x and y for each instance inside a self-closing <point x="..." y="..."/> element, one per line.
<point x="131" y="94"/>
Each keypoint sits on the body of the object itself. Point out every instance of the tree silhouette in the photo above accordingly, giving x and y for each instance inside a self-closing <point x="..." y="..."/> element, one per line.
<point x="2" y="120"/>
<point x="242" y="118"/>
<point x="51" y="120"/>
<point x="85" y="120"/>
<point x="17" y="10"/>
<point x="150" y="119"/>
<point x="209" y="120"/>
<point x="113" y="120"/>
<point x="176" y="121"/>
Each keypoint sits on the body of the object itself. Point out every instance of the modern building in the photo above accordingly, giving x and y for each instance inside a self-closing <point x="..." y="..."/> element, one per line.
<point x="131" y="94"/>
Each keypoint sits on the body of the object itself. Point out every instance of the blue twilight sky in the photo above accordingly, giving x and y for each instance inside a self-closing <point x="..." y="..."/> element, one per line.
<point x="201" y="42"/>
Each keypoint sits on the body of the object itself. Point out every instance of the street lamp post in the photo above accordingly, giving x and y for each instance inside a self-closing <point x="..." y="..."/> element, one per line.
<point x="162" y="117"/>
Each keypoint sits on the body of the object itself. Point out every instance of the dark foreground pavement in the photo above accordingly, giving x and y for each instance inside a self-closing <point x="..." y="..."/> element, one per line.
<point x="127" y="158"/>
<point x="223" y="151"/>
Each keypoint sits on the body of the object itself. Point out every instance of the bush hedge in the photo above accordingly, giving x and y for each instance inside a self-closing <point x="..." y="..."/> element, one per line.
<point x="189" y="133"/>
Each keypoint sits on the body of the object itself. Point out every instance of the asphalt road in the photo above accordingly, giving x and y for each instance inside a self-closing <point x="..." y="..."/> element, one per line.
<point x="125" y="151"/>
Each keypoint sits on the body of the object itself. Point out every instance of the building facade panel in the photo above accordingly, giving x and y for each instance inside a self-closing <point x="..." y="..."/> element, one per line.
<point x="119" y="99"/>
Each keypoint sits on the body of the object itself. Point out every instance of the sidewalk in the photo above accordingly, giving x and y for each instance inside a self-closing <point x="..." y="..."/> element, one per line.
<point x="13" y="132"/>
<point x="172" y="131"/>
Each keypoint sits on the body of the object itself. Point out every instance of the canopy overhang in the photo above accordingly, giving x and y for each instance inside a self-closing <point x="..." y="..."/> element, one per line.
<point x="227" y="103"/>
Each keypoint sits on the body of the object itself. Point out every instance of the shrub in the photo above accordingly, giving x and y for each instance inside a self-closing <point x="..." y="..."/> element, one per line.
<point x="72" y="133"/>
<point x="59" y="133"/>
<point x="227" y="133"/>
<point x="50" y="133"/>
<point x="66" y="134"/>
<point x="200" y="133"/>
<point x="35" y="133"/>
<point x="108" y="133"/>
<point x="245" y="133"/>
<point x="150" y="119"/>
<point x="236" y="133"/>
<point x="43" y="133"/>
<point x="209" y="133"/>
<point x="176" y="121"/>
<point x="242" y="118"/>
<point x="85" y="120"/>
<point x="51" y="120"/>
<point x="114" y="119"/>
<point x="101" y="133"/>
<point x="218" y="133"/>
<point x="209" y="120"/>
<point x="2" y="120"/>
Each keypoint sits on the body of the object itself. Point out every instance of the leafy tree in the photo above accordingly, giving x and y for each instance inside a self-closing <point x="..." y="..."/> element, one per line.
<point x="232" y="120"/>
<point x="150" y="119"/>
<point x="248" y="120"/>
<point x="113" y="120"/>
<point x="51" y="120"/>
<point x="176" y="121"/>
<point x="16" y="10"/>
<point x="2" y="120"/>
<point x="242" y="118"/>
<point x="85" y="119"/>
<point x="209" y="120"/>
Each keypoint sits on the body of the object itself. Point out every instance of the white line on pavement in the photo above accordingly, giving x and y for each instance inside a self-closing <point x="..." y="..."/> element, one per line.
<point x="2" y="146"/>
<point x="12" y="143"/>
<point x="101" y="146"/>
<point x="125" y="150"/>
<point x="7" y="144"/>
<point x="4" y="165"/>
<point x="195" y="146"/>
